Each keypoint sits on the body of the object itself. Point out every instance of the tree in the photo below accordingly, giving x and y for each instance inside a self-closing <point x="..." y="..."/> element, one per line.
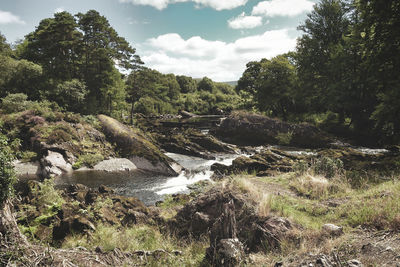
<point x="71" y="94"/>
<point x="56" y="45"/>
<point x="246" y="86"/>
<point x="276" y="85"/>
<point x="206" y="84"/>
<point x="379" y="27"/>
<point x="101" y="48"/>
<point x="319" y="56"/>
<point x="186" y="84"/>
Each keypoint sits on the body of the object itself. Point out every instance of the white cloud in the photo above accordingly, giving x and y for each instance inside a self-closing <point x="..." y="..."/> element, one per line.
<point x="288" y="8"/>
<point x="215" y="4"/>
<point x="9" y="18"/>
<point x="59" y="9"/>
<point x="221" y="61"/>
<point x="245" y="22"/>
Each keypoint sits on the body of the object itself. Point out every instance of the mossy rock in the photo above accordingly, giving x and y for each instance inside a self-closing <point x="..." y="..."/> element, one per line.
<point x="131" y="143"/>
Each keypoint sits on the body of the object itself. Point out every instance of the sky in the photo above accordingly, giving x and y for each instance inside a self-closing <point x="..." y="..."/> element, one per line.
<point x="213" y="38"/>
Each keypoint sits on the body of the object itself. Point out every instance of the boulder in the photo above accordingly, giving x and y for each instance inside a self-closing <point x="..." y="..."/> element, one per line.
<point x="54" y="164"/>
<point x="332" y="229"/>
<point x="261" y="163"/>
<point x="115" y="165"/>
<point x="27" y="169"/>
<point x="132" y="144"/>
<point x="251" y="129"/>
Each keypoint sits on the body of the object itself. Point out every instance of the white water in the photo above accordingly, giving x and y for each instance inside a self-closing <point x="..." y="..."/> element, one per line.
<point x="197" y="169"/>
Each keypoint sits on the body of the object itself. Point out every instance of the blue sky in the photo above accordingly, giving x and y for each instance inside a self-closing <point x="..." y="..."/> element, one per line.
<point x="214" y="38"/>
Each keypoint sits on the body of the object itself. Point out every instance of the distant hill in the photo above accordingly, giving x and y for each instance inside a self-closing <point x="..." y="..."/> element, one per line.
<point x="233" y="83"/>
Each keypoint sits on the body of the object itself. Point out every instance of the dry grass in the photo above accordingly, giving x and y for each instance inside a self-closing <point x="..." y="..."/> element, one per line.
<point x="262" y="199"/>
<point x="317" y="186"/>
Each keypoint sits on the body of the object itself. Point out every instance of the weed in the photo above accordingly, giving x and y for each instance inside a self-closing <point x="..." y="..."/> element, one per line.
<point x="284" y="138"/>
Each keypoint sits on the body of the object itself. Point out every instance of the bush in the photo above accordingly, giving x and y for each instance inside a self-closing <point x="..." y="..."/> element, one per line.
<point x="7" y="174"/>
<point x="328" y="167"/>
<point x="14" y="103"/>
<point x="284" y="138"/>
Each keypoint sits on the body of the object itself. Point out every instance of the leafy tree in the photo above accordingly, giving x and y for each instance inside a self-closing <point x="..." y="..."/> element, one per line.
<point x="275" y="87"/>
<point x="186" y="84"/>
<point x="56" y="45"/>
<point x="71" y="94"/>
<point x="102" y="47"/>
<point x="317" y="59"/>
<point x="206" y="84"/>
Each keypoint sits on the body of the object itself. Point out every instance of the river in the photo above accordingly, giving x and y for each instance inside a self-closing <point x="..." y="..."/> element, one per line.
<point x="149" y="187"/>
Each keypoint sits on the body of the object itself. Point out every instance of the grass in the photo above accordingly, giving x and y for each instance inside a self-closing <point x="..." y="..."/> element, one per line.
<point x="141" y="237"/>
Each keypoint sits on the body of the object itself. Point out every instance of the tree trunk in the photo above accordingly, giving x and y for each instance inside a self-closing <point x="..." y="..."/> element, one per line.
<point x="8" y="227"/>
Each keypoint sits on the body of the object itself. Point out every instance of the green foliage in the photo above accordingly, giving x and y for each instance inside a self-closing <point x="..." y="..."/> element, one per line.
<point x="89" y="160"/>
<point x="284" y="138"/>
<point x="7" y="174"/>
<point x="328" y="167"/>
<point x="13" y="103"/>
<point x="71" y="94"/>
<point x="206" y="84"/>
<point x="141" y="237"/>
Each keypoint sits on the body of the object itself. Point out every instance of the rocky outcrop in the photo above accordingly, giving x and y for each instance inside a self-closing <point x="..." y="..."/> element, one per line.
<point x="132" y="144"/>
<point x="27" y="169"/>
<point x="52" y="222"/>
<point x="225" y="248"/>
<point x="54" y="164"/>
<point x="263" y="163"/>
<point x="251" y="129"/>
<point x="203" y="214"/>
<point x="115" y="165"/>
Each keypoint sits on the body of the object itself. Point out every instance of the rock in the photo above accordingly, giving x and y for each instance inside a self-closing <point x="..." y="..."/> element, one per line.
<point x="251" y="129"/>
<point x="27" y="169"/>
<point x="115" y="165"/>
<point x="200" y="223"/>
<point x="262" y="163"/>
<point x="78" y="192"/>
<point x="132" y="144"/>
<point x="108" y="216"/>
<point x="332" y="229"/>
<point x="229" y="252"/>
<point x="324" y="261"/>
<point x="105" y="190"/>
<point x="186" y="114"/>
<point x="72" y="224"/>
<point x="54" y="164"/>
<point x="197" y="217"/>
<point x="354" y="263"/>
<point x="134" y="217"/>
<point x="225" y="249"/>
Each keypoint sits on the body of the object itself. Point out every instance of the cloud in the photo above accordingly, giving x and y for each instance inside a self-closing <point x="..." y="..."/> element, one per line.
<point x="245" y="22"/>
<point x="215" y="4"/>
<point x="221" y="61"/>
<point x="9" y="18"/>
<point x="59" y="10"/>
<point x="288" y="8"/>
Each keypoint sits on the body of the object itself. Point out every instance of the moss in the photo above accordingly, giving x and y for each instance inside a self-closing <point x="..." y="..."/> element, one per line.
<point x="88" y="160"/>
<point x="130" y="141"/>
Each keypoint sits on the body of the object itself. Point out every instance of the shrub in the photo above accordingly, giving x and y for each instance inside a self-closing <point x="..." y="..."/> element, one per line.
<point x="284" y="138"/>
<point x="328" y="167"/>
<point x="7" y="174"/>
<point x="14" y="103"/>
